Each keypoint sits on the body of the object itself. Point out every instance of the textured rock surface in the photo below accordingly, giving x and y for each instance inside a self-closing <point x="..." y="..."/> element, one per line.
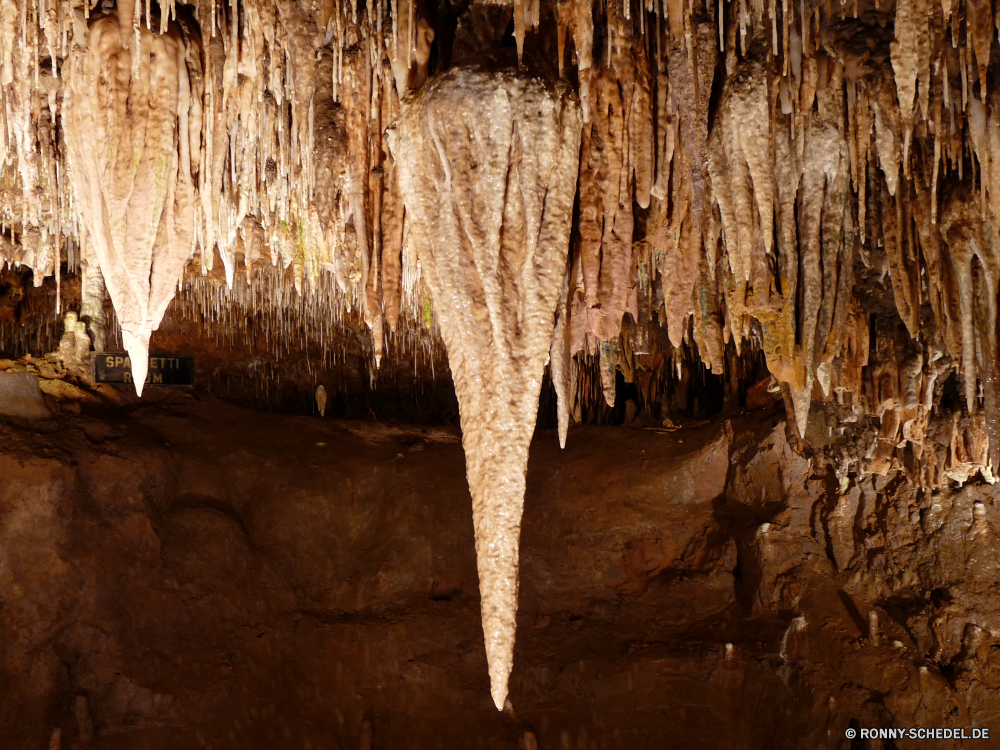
<point x="21" y="397"/>
<point x="772" y="201"/>
<point x="162" y="563"/>
<point x="487" y="160"/>
<point x="128" y="105"/>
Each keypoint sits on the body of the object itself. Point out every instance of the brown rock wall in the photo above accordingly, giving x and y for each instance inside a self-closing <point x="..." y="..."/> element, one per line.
<point x="209" y="576"/>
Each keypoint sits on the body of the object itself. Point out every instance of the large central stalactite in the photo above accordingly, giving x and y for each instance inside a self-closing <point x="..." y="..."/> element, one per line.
<point x="488" y="163"/>
<point x="816" y="185"/>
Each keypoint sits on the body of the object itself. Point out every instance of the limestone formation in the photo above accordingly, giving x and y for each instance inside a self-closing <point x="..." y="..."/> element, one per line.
<point x="788" y="200"/>
<point x="487" y="161"/>
<point x="128" y="92"/>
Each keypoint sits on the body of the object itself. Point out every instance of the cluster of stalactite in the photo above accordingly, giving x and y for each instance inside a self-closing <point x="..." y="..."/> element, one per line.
<point x="140" y="135"/>
<point x="263" y="318"/>
<point x="649" y="183"/>
<point x="739" y="160"/>
<point x="743" y="158"/>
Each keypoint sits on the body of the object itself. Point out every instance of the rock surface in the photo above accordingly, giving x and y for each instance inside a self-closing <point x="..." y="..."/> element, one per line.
<point x="206" y="576"/>
<point x="127" y="107"/>
<point x="21" y="396"/>
<point x="487" y="160"/>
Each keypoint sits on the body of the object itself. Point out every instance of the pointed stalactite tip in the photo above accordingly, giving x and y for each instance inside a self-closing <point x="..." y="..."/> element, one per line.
<point x="138" y="352"/>
<point x="498" y="689"/>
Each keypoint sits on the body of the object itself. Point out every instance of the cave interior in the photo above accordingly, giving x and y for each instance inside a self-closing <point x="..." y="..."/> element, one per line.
<point x="439" y="374"/>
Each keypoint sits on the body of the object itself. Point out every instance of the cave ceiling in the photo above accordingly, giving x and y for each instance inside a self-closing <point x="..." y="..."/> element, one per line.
<point x="574" y="202"/>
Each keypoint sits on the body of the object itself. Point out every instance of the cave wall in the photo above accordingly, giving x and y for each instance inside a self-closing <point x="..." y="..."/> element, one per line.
<point x="208" y="576"/>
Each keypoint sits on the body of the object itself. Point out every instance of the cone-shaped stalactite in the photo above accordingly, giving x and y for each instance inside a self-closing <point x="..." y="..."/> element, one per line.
<point x="488" y="161"/>
<point x="126" y="114"/>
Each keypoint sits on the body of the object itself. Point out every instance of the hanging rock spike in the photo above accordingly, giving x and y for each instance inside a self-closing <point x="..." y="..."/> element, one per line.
<point x="488" y="156"/>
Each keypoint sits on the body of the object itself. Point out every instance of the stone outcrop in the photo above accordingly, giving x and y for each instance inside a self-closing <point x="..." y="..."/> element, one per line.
<point x="160" y="587"/>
